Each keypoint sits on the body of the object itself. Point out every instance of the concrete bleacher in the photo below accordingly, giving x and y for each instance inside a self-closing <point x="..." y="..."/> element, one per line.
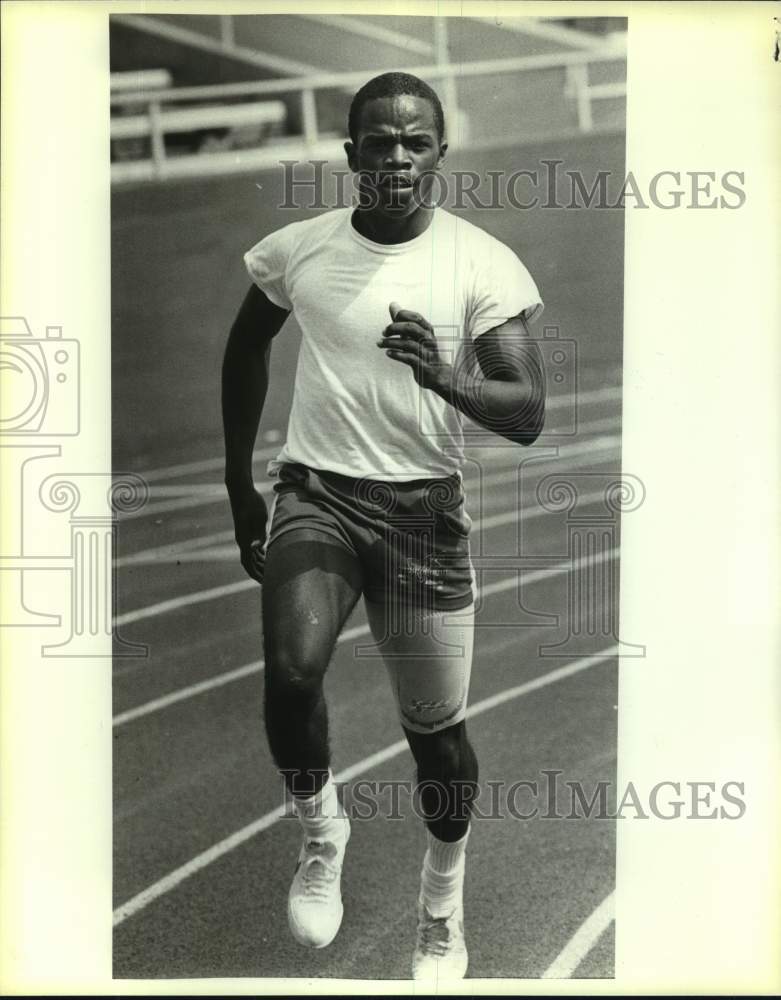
<point x="310" y="43"/>
<point x="213" y="51"/>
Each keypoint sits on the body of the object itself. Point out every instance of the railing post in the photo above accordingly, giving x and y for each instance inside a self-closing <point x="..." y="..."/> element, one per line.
<point x="449" y="89"/>
<point x="309" y="113"/>
<point x="227" y="33"/>
<point x="579" y="80"/>
<point x="156" y="135"/>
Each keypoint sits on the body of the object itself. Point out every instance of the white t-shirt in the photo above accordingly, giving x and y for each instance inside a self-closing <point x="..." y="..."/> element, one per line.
<point x="356" y="411"/>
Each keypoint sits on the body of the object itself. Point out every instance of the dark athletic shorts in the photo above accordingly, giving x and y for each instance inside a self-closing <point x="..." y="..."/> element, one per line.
<point x="411" y="538"/>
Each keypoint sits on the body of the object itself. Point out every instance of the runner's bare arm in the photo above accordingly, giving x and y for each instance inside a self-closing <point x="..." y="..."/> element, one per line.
<point x="245" y="371"/>
<point x="245" y="375"/>
<point x="508" y="397"/>
<point x="512" y="393"/>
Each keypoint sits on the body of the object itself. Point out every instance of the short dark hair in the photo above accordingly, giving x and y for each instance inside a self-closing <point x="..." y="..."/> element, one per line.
<point x="393" y="85"/>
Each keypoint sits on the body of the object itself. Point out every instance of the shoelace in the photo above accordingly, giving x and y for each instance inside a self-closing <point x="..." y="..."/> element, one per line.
<point x="318" y="873"/>
<point x="434" y="935"/>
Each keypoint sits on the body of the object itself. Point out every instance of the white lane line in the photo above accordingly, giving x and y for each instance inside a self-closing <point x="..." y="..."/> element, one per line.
<point x="575" y="457"/>
<point x="175" y="878"/>
<point x="226" y="552"/>
<point x="238" y="673"/>
<point x="160" y="553"/>
<point x="203" y="491"/>
<point x="184" y="503"/>
<point x="208" y="490"/>
<point x="209" y="464"/>
<point x="582" y="941"/>
<point x="204" y="465"/>
<point x="206" y="494"/>
<point x="225" y="590"/>
<point x="216" y="494"/>
<point x="190" y="546"/>
<point x="199" y="597"/>
<point x="182" y="694"/>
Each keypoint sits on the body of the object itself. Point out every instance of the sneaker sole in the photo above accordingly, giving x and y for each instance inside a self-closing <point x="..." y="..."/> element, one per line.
<point x="303" y="938"/>
<point x="441" y="977"/>
<point x="296" y="931"/>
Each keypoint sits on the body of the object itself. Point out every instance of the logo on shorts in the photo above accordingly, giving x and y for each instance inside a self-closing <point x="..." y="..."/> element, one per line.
<point x="429" y="573"/>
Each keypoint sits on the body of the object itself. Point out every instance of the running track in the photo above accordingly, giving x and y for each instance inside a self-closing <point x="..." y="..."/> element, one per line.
<point x="203" y="856"/>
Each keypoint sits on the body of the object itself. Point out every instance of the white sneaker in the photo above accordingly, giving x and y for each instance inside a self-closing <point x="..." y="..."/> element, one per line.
<point x="315" y="908"/>
<point x="440" y="952"/>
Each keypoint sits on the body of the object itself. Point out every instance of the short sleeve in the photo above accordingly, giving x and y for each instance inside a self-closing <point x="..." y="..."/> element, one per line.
<point x="502" y="288"/>
<point x="267" y="264"/>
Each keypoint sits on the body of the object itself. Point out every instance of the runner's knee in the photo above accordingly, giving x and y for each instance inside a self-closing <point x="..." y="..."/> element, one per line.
<point x="442" y="753"/>
<point x="295" y="673"/>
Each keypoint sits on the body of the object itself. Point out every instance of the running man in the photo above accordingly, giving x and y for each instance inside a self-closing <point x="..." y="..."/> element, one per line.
<point x="391" y="297"/>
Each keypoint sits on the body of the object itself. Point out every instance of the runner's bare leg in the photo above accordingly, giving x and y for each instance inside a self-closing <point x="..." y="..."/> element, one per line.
<point x="311" y="585"/>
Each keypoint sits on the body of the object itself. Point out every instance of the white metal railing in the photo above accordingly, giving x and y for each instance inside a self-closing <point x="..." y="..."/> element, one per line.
<point x="370" y="29"/>
<point x="156" y="119"/>
<point x="324" y="81"/>
<point x="139" y="79"/>
<point x="547" y="29"/>
<point x="209" y="116"/>
<point x="224" y="46"/>
<point x="584" y="93"/>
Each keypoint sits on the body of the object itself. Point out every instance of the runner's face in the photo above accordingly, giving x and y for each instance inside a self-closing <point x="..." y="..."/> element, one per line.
<point x="396" y="153"/>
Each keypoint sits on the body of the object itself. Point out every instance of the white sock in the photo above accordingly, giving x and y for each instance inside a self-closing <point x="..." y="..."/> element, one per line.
<point x="322" y="816"/>
<point x="442" y="878"/>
